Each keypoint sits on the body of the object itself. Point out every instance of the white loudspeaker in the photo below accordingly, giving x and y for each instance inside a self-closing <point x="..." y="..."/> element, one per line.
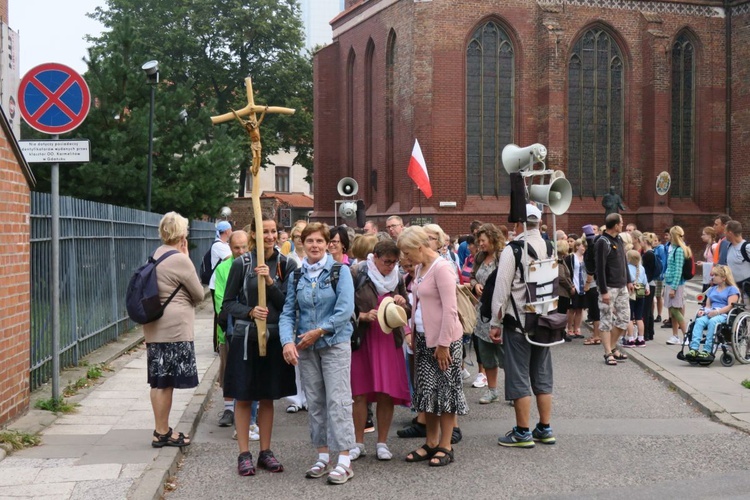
<point x="558" y="194"/>
<point x="226" y="212"/>
<point x="516" y="158"/>
<point x="348" y="209"/>
<point x="347" y="187"/>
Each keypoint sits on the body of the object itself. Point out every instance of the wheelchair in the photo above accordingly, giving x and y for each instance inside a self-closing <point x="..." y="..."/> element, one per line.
<point x="732" y="334"/>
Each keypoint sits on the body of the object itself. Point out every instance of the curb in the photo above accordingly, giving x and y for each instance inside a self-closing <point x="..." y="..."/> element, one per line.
<point x="151" y="484"/>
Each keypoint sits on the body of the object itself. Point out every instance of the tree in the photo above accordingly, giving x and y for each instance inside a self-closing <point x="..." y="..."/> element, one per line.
<point x="205" y="48"/>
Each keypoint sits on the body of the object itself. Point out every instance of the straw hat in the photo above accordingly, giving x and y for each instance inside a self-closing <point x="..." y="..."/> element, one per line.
<point x="390" y="315"/>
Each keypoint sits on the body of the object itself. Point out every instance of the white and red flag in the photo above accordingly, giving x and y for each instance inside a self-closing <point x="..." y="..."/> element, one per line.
<point x="418" y="171"/>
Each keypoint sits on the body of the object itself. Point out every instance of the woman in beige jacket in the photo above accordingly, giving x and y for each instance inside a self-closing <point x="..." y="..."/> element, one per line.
<point x="169" y="340"/>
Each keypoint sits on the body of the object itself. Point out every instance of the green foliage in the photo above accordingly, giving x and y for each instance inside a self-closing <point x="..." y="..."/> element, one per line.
<point x="205" y="50"/>
<point x="56" y="405"/>
<point x="19" y="440"/>
<point x="746" y="384"/>
<point x="94" y="372"/>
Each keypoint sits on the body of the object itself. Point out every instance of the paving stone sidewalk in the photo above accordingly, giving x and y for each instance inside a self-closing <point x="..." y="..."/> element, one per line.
<point x="103" y="450"/>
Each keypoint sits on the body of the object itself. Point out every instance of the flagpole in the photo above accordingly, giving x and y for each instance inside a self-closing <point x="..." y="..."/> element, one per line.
<point x="420" y="206"/>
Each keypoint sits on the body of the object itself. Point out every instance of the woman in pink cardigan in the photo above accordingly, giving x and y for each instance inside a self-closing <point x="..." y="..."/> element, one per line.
<point x="437" y="347"/>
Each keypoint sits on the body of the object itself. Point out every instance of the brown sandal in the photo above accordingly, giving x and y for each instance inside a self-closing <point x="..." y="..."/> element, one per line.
<point x="592" y="341"/>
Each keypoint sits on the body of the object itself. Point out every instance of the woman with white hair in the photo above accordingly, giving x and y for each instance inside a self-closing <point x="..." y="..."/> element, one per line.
<point x="170" y="347"/>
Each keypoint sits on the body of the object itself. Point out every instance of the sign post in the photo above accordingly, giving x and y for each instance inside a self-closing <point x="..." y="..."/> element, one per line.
<point x="54" y="99"/>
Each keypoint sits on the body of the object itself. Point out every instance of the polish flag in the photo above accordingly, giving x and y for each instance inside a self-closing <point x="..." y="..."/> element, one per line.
<point x="418" y="171"/>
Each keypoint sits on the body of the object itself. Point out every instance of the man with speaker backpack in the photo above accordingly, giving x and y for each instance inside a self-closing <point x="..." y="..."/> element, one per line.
<point x="528" y="368"/>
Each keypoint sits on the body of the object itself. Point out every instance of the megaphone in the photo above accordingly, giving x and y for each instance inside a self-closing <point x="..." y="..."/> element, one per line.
<point x="516" y="158"/>
<point x="558" y="194"/>
<point x="348" y="209"/>
<point x="347" y="187"/>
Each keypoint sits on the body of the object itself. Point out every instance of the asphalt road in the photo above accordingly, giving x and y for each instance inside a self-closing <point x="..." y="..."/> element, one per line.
<point x="620" y="434"/>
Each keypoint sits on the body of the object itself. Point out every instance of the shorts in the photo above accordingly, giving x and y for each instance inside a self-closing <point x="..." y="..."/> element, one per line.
<point x="616" y="314"/>
<point x="528" y="368"/>
<point x="491" y="354"/>
<point x="637" y="307"/>
<point x="659" y="291"/>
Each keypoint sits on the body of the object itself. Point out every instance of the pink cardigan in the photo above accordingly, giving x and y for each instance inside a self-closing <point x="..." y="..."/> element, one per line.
<point x="436" y="294"/>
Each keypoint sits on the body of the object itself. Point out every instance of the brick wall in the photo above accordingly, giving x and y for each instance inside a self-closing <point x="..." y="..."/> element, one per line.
<point x="4" y="12"/>
<point x="740" y="181"/>
<point x="429" y="104"/>
<point x="15" y="251"/>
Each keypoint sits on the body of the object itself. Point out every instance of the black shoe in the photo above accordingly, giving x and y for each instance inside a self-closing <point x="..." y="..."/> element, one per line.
<point x="457" y="436"/>
<point x="369" y="426"/>
<point x="666" y="324"/>
<point x="227" y="419"/>
<point x="657" y="319"/>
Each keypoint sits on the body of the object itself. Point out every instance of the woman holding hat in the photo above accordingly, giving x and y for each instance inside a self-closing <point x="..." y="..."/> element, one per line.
<point x="378" y="366"/>
<point x="437" y="335"/>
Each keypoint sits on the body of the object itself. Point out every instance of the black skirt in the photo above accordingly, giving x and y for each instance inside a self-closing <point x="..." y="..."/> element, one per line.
<point x="257" y="378"/>
<point x="171" y="364"/>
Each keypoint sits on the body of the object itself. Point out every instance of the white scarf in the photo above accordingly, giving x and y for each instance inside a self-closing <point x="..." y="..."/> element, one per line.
<point x="314" y="270"/>
<point x="383" y="284"/>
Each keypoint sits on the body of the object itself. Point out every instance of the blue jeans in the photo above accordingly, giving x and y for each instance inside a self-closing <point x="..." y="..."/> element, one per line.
<point x="703" y="323"/>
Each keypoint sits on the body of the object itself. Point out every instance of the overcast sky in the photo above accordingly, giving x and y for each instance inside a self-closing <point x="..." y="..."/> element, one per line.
<point x="53" y="31"/>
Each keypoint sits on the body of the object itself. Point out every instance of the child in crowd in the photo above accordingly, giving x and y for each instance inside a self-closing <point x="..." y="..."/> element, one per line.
<point x="637" y="299"/>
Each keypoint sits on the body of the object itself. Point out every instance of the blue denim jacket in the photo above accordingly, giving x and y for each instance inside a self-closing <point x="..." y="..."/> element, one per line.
<point x="319" y="307"/>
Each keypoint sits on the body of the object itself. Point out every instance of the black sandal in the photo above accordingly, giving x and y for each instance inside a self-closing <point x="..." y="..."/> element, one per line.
<point x="167" y="440"/>
<point x="416" y="457"/>
<point x="445" y="459"/>
<point x="619" y="356"/>
<point x="609" y="360"/>
<point x="415" y="430"/>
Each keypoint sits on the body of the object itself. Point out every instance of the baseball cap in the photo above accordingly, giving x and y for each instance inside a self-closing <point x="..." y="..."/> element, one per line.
<point x="532" y="212"/>
<point x="589" y="231"/>
<point x="223" y="226"/>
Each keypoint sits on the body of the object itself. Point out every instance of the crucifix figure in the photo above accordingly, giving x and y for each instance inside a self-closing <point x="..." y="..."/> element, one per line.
<point x="252" y="126"/>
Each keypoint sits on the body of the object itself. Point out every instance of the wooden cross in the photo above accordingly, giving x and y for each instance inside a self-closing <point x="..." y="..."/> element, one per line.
<point x="252" y="126"/>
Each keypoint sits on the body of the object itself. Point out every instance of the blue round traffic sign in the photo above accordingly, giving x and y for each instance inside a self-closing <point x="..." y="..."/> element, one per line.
<point x="53" y="98"/>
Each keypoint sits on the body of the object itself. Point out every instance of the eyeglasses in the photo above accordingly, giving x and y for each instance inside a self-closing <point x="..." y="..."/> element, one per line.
<point x="334" y="242"/>
<point x="393" y="226"/>
<point x="388" y="262"/>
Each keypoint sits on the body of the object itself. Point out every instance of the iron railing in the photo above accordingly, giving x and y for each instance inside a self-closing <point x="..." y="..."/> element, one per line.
<point x="100" y="248"/>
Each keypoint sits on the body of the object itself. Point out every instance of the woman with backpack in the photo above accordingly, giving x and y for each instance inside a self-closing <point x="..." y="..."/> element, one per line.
<point x="170" y="347"/>
<point x="249" y="376"/>
<point x="491" y="243"/>
<point x="674" y="280"/>
<point x="316" y="332"/>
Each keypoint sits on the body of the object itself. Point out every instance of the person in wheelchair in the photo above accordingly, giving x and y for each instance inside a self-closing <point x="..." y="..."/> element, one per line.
<point x="720" y="299"/>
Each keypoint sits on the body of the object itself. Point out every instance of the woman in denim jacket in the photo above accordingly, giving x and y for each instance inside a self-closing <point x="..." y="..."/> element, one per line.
<point x="320" y="343"/>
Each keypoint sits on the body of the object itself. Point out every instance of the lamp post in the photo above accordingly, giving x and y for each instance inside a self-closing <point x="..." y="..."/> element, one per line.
<point x="151" y="68"/>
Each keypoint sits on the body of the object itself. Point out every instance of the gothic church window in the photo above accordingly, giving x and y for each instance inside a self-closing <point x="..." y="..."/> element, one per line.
<point x="683" y="117"/>
<point x="595" y="114"/>
<point x="490" y="105"/>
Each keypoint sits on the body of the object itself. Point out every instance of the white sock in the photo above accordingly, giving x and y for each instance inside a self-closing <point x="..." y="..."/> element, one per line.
<point x="323" y="457"/>
<point x="229" y="405"/>
<point x="345" y="460"/>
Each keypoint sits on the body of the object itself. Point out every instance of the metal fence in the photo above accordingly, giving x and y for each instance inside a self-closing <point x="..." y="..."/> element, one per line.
<point x="100" y="248"/>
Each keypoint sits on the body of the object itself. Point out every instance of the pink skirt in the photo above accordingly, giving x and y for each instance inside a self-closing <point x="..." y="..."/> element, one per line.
<point x="379" y="366"/>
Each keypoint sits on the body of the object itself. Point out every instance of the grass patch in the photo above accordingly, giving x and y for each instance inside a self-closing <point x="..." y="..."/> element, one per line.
<point x="19" y="440"/>
<point x="73" y="388"/>
<point x="746" y="384"/>
<point x="94" y="372"/>
<point x="56" y="405"/>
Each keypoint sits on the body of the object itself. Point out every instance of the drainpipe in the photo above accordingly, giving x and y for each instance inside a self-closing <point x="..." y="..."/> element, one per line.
<point x="728" y="163"/>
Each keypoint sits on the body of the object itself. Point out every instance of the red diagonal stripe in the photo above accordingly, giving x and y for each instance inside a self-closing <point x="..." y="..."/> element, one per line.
<point x="54" y="98"/>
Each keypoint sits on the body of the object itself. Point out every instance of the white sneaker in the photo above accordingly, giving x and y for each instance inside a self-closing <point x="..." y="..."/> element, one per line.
<point x="383" y="452"/>
<point x="465" y="374"/>
<point x="674" y="340"/>
<point x="489" y="397"/>
<point x="481" y="381"/>
<point x="686" y="341"/>
<point x="254" y="433"/>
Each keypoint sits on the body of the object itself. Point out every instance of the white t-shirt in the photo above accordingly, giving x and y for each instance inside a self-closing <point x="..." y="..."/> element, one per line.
<point x="219" y="251"/>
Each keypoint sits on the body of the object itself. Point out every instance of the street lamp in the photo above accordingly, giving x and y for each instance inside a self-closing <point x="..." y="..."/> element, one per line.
<point x="151" y="69"/>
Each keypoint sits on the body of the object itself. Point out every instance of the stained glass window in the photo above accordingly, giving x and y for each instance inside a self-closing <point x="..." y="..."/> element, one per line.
<point x="595" y="114"/>
<point x="683" y="117"/>
<point x="490" y="103"/>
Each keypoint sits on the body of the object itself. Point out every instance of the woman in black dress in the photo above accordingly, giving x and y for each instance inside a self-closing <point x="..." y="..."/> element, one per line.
<point x="250" y="377"/>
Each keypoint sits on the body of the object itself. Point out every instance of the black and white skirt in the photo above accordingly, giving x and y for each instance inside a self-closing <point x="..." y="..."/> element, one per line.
<point x="437" y="391"/>
<point x="171" y="364"/>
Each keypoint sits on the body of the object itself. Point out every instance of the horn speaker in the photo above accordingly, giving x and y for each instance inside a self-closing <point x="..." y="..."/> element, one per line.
<point x="516" y="159"/>
<point x="558" y="194"/>
<point x="348" y="209"/>
<point x="347" y="187"/>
